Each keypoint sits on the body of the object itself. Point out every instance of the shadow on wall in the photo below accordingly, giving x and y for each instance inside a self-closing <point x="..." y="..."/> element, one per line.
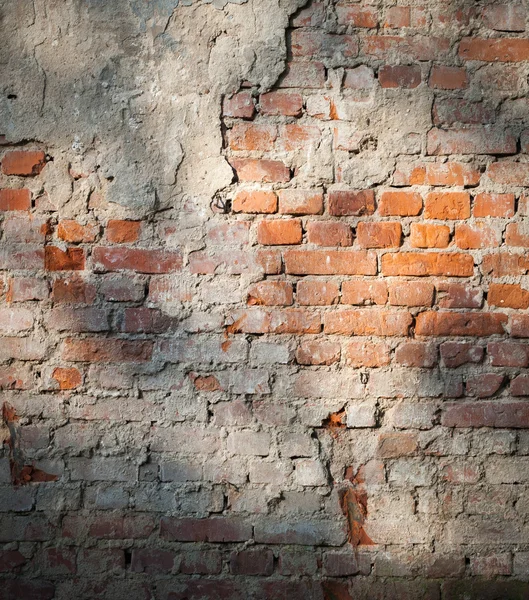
<point x="319" y="394"/>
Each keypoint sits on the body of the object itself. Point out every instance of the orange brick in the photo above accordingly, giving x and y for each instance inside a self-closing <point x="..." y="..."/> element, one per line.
<point x="400" y="204"/>
<point x="475" y="236"/>
<point x="71" y="259"/>
<point x="24" y="163"/>
<point x="74" y="232"/>
<point x="68" y="379"/>
<point x="318" y="352"/>
<point x="494" y="205"/>
<point x="317" y="293"/>
<point x="451" y="173"/>
<point x="357" y="16"/>
<point x="123" y="232"/>
<point x="427" y="235"/>
<point x="364" y="291"/>
<point x="271" y="293"/>
<point x="517" y="235"/>
<point x="255" y="201"/>
<point x="331" y="262"/>
<point x="447" y="205"/>
<point x="460" y="324"/>
<point x="248" y="136"/>
<point x="432" y="263"/>
<point x="15" y="200"/>
<point x="509" y="173"/>
<point x="298" y="137"/>
<point x="351" y="203"/>
<point x="279" y="232"/>
<point x="264" y="171"/>
<point x="300" y="202"/>
<point x="411" y="293"/>
<point x="448" y="78"/>
<point x="507" y="296"/>
<point x="494" y="49"/>
<point x="379" y="235"/>
<point x="367" y="354"/>
<point x="367" y="322"/>
<point x="329" y="233"/>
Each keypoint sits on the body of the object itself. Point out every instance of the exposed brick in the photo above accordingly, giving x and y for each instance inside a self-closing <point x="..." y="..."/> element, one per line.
<point x="394" y="445"/>
<point x="364" y="292"/>
<point x="15" y="200"/>
<point x="417" y="293"/>
<point x="23" y="162"/>
<point x="367" y="322"/>
<point x="271" y="293"/>
<point x="73" y="232"/>
<point x="279" y="232"/>
<point x="106" y="350"/>
<point x="239" y="105"/>
<point x="351" y="203"/>
<point x="255" y="201"/>
<point x="379" y="235"/>
<point x="494" y="205"/>
<point x="318" y="352"/>
<point x="427" y="235"/>
<point x="141" y="260"/>
<point x="420" y="265"/>
<point x="448" y="78"/>
<point x="253" y="561"/>
<point x="400" y="76"/>
<point x="249" y="136"/>
<point x="368" y="354"/>
<point x="329" y="234"/>
<point x="263" y="171"/>
<point x="400" y="204"/>
<point x="472" y="324"/>
<point x="486" y="414"/>
<point x="476" y="236"/>
<point x="471" y="140"/>
<point x="288" y="104"/>
<point x="507" y="296"/>
<point x="357" y="16"/>
<point x="123" y="232"/>
<point x="318" y="293"/>
<point x="71" y="259"/>
<point x="300" y="202"/>
<point x="447" y="205"/>
<point x="332" y="262"/>
<point x="494" y="49"/>
<point x="416" y="354"/>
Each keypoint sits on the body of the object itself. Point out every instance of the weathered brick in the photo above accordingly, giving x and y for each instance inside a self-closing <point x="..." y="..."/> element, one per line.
<point x="472" y="324"/>
<point x="379" y="235"/>
<point x="23" y="162"/>
<point x="351" y="203"/>
<point x="332" y="262"/>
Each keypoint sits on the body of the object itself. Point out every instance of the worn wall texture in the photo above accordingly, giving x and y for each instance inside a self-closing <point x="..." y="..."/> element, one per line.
<point x="264" y="300"/>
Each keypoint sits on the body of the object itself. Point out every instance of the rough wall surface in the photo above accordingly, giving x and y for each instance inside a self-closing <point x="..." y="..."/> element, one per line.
<point x="263" y="300"/>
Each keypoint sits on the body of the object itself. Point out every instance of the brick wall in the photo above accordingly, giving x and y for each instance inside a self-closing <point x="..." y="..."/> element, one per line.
<point x="320" y="392"/>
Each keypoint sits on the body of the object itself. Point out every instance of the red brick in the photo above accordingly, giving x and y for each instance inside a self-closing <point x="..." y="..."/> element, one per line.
<point x="455" y="354"/>
<point x="279" y="232"/>
<point x="494" y="205"/>
<point x="318" y="44"/>
<point x="67" y="378"/>
<point x="364" y="292"/>
<point x="509" y="173"/>
<point x="520" y="326"/>
<point x="73" y="291"/>
<point x="239" y="105"/>
<point x="494" y="49"/>
<point x="379" y="235"/>
<point x="303" y="75"/>
<point x="288" y="104"/>
<point x="15" y="200"/>
<point x="448" y="78"/>
<point x="106" y="350"/>
<point x="340" y="564"/>
<point x="71" y="259"/>
<point x="100" y="560"/>
<point x="406" y="48"/>
<point x="504" y="264"/>
<point x="22" y="162"/>
<point x="484" y="385"/>
<point x="152" y="561"/>
<point x="270" y="293"/>
<point x="22" y="289"/>
<point x="263" y="171"/>
<point x="471" y="140"/>
<point x="368" y="354"/>
<point x="396" y="445"/>
<point x="317" y="293"/>
<point x="205" y="530"/>
<point x="520" y="386"/>
<point x="123" y="232"/>
<point x="400" y="204"/>
<point x="507" y="296"/>
<point x="486" y="414"/>
<point x="432" y="263"/>
<point x="475" y="236"/>
<point x="416" y="354"/>
<point x="205" y="562"/>
<point x="508" y="354"/>
<point x="400" y="76"/>
<point x="490" y="566"/>
<point x="357" y="16"/>
<point x="15" y="377"/>
<point x="125" y="289"/>
<point x="411" y="293"/>
<point x="505" y="17"/>
<point x="74" y="232"/>
<point x="332" y="233"/>
<point x="298" y="137"/>
<point x="318" y="352"/>
<point x="27" y="589"/>
<point x="59" y="561"/>
<point x="248" y="136"/>
<point x="10" y="560"/>
<point x="448" y="111"/>
<point x="447" y="205"/>
<point x="447" y="323"/>
<point x="331" y="262"/>
<point x="427" y="235"/>
<point x="351" y="203"/>
<point x="255" y="201"/>
<point x="140" y="260"/>
<point x="367" y="322"/>
<point x="459" y="295"/>
<point x="146" y="320"/>
<point x="300" y="202"/>
<point x="398" y="16"/>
